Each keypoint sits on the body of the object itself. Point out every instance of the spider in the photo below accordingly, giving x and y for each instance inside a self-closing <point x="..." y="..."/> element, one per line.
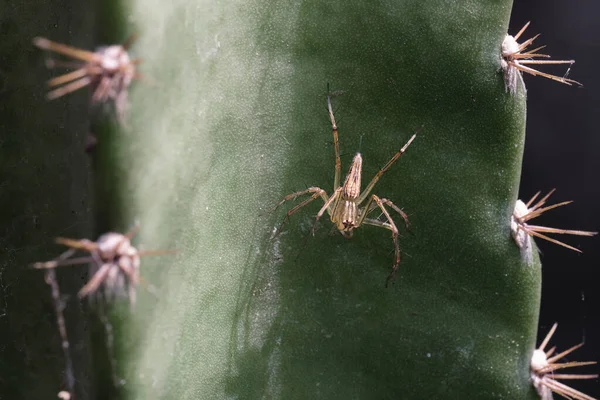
<point x="109" y="71"/>
<point x="344" y="205"/>
<point x="544" y="363"/>
<point x="521" y="230"/>
<point x="514" y="61"/>
<point x="117" y="263"/>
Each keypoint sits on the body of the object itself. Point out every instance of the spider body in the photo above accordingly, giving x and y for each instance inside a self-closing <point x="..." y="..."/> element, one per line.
<point x="345" y="210"/>
<point x="344" y="204"/>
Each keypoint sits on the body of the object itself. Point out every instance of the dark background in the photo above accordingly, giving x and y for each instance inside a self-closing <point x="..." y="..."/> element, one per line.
<point x="562" y="151"/>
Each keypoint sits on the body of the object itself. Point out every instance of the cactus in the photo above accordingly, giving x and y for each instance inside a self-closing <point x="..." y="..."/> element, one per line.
<point x="235" y="120"/>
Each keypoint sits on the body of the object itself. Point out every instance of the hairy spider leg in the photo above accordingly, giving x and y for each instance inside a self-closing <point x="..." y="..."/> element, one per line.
<point x="327" y="207"/>
<point x="387" y="225"/>
<point x="394" y="207"/>
<point x="336" y="145"/>
<point x="316" y="192"/>
<point x="387" y="166"/>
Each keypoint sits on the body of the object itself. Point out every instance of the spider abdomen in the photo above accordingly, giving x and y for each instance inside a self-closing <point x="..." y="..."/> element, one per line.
<point x="351" y="189"/>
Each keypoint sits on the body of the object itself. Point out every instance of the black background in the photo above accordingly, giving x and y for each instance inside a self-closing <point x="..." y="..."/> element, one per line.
<point x="562" y="151"/>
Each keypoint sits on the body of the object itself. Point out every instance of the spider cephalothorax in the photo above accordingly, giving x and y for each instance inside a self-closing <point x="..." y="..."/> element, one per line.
<point x="344" y="204"/>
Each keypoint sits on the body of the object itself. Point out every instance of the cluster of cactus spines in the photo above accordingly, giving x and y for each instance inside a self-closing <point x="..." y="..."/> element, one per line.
<point x="521" y="230"/>
<point x="543" y="365"/>
<point x="109" y="72"/>
<point x="514" y="60"/>
<point x="115" y="262"/>
<point x="516" y="57"/>
<point x="116" y="270"/>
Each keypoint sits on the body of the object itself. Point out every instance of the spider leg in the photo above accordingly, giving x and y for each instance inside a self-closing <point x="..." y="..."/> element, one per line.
<point x="387" y="225"/>
<point x="387" y="166"/>
<point x="334" y="196"/>
<point x="371" y="206"/>
<point x="336" y="145"/>
<point x="316" y="192"/>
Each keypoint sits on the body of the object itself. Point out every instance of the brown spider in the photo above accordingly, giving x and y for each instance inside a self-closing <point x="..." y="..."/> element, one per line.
<point x="343" y="206"/>
<point x="116" y="262"/>
<point x="543" y="365"/>
<point x="521" y="230"/>
<point x="514" y="61"/>
<point x="109" y="71"/>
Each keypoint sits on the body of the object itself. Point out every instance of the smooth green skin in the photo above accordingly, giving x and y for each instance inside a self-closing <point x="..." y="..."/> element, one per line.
<point x="238" y="120"/>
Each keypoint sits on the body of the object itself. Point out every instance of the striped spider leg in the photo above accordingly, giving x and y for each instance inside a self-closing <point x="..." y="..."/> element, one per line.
<point x="344" y="204"/>
<point x="521" y="230"/>
<point x="116" y="262"/>
<point x="516" y="57"/>
<point x="544" y="363"/>
<point x="109" y="71"/>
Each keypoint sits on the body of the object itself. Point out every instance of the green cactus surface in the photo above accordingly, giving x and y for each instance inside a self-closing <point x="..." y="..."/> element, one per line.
<point x="232" y="117"/>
